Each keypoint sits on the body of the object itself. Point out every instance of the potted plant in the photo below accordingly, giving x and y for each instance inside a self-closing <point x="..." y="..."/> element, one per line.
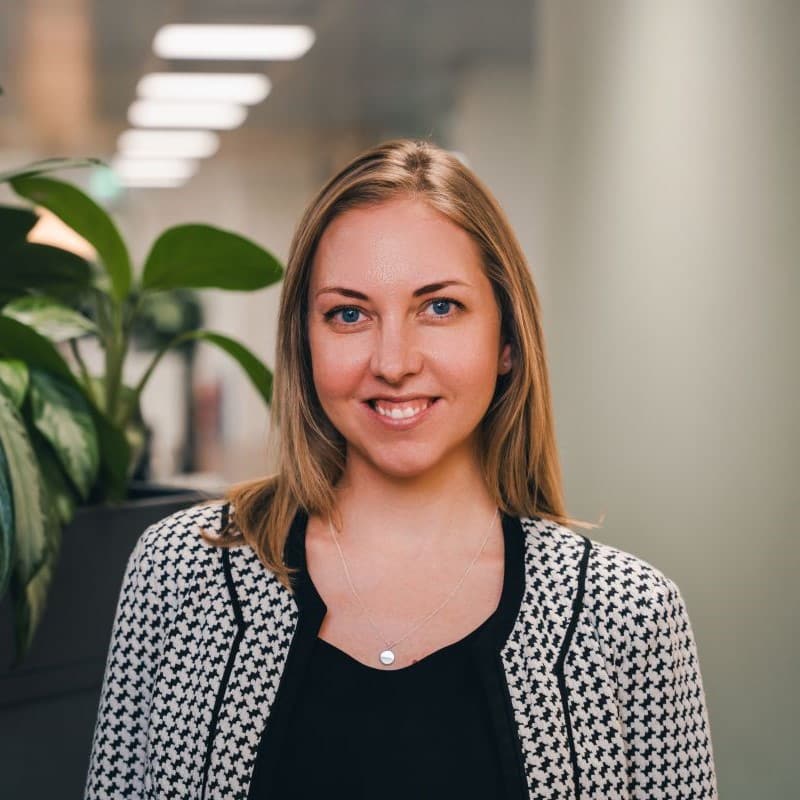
<point x="70" y="439"/>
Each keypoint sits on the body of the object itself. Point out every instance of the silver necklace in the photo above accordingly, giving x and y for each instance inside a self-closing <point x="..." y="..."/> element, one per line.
<point x="387" y="656"/>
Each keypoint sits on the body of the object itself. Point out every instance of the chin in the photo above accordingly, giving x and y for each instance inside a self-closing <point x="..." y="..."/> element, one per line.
<point x="404" y="471"/>
<point x="402" y="463"/>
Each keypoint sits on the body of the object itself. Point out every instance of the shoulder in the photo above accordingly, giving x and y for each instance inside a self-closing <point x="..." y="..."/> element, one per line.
<point x="626" y="596"/>
<point x="613" y="571"/>
<point x="173" y="546"/>
<point x="607" y="569"/>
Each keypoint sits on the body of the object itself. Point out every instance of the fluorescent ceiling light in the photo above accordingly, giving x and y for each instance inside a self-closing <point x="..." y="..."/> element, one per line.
<point x="150" y="183"/>
<point x="168" y="144"/>
<point x="141" y="169"/>
<point x="234" y="42"/>
<point x="244" y="88"/>
<point x="162" y="114"/>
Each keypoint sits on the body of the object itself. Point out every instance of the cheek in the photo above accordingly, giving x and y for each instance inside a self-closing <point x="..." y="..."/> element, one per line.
<point x="472" y="361"/>
<point x="335" y="368"/>
<point x="477" y="377"/>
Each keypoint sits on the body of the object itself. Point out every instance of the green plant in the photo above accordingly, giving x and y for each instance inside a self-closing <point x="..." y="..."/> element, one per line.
<point x="68" y="437"/>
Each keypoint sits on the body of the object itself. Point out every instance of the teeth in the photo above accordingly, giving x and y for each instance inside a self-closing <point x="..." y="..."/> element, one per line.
<point x="401" y="413"/>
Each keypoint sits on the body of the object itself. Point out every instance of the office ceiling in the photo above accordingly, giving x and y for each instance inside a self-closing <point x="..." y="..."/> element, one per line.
<point x="376" y="64"/>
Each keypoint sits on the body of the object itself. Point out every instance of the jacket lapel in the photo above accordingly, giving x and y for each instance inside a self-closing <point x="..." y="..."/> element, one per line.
<point x="268" y="619"/>
<point x="531" y="653"/>
<point x="277" y="629"/>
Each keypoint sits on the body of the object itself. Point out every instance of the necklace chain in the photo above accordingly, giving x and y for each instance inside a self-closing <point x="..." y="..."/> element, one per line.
<point x="391" y="644"/>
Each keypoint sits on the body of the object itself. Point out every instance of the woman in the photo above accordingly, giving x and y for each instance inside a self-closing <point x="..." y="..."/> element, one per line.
<point x="401" y="610"/>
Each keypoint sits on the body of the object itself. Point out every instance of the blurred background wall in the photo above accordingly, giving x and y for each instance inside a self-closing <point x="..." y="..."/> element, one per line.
<point x="646" y="153"/>
<point x="666" y="151"/>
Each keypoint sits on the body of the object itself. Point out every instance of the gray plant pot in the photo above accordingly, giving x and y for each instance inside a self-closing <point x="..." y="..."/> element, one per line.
<point x="48" y="704"/>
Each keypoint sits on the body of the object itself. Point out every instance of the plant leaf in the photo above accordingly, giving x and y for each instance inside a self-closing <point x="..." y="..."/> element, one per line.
<point x="86" y="218"/>
<point x="30" y="598"/>
<point x="259" y="374"/>
<point x="49" y="165"/>
<point x="15" y="224"/>
<point x="21" y="342"/>
<point x="28" y="265"/>
<point x="52" y="319"/>
<point x="6" y="295"/>
<point x="62" y="415"/>
<point x="14" y="379"/>
<point x="60" y="493"/>
<point x="202" y="256"/>
<point x="6" y="523"/>
<point x="30" y="513"/>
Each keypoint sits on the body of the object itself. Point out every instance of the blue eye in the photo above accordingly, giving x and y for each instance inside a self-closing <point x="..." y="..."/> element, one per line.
<point x="350" y="313"/>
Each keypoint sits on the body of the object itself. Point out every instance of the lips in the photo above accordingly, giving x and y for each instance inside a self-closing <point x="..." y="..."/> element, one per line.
<point x="407" y="406"/>
<point x="406" y="399"/>
<point x="401" y="415"/>
<point x="401" y="410"/>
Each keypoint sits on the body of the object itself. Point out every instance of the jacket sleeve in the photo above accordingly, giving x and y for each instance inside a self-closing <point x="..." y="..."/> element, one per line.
<point x="117" y="763"/>
<point x="664" y="719"/>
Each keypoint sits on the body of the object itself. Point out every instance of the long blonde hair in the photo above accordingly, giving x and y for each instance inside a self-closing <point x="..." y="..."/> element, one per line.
<point x="517" y="444"/>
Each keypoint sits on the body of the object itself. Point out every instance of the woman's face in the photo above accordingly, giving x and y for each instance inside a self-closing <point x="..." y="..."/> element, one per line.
<point x="379" y="328"/>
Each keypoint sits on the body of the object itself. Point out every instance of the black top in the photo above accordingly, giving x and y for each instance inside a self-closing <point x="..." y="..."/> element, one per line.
<point x="418" y="732"/>
<point x="441" y="727"/>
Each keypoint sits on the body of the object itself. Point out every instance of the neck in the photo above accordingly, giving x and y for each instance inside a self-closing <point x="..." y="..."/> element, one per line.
<point x="402" y="514"/>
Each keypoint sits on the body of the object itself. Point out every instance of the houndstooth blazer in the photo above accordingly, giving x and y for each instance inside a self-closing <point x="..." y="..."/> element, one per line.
<point x="596" y="691"/>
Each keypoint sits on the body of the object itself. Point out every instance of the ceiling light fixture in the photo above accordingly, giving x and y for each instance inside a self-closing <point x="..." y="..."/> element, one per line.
<point x="149" y="183"/>
<point x="244" y="88"/>
<point x="234" y="42"/>
<point x="174" y="114"/>
<point x="166" y="169"/>
<point x="168" y="144"/>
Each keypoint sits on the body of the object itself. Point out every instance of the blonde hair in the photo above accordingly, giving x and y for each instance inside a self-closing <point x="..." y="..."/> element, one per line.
<point x="517" y="444"/>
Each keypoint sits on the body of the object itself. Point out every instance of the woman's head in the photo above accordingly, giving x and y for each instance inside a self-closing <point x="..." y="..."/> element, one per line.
<point x="399" y="308"/>
<point x="352" y="235"/>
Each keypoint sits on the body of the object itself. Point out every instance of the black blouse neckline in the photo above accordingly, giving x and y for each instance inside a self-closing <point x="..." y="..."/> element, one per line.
<point x="485" y="644"/>
<point x="492" y="633"/>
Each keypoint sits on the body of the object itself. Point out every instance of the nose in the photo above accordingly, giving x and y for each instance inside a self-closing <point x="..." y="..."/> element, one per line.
<point x="396" y="353"/>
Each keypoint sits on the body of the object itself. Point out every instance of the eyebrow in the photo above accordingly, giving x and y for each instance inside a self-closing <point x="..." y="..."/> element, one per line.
<point x="427" y="289"/>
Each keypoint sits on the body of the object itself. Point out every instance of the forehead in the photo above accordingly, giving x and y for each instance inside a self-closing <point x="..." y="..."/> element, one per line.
<point x="398" y="241"/>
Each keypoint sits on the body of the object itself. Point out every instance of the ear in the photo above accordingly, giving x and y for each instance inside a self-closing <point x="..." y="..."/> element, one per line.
<point x="504" y="362"/>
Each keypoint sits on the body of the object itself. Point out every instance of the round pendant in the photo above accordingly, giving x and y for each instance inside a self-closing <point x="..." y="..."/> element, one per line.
<point x="387" y="657"/>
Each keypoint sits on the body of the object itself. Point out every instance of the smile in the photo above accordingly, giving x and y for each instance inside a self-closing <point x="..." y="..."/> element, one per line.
<point x="401" y="410"/>
<point x="401" y="415"/>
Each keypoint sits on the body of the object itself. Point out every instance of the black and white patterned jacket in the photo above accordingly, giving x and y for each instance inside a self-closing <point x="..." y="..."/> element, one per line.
<point x="602" y="690"/>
